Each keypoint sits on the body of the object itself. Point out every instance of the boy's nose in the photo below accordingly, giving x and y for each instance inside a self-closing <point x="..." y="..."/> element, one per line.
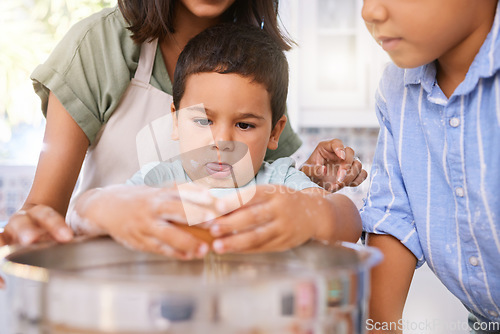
<point x="224" y="145"/>
<point x="373" y="11"/>
<point x="223" y="139"/>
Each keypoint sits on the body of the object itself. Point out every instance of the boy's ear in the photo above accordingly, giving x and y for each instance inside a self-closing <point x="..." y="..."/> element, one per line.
<point x="276" y="133"/>
<point x="175" y="126"/>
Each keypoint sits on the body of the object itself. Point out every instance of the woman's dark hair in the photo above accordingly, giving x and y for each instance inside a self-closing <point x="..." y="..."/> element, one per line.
<point x="151" y="19"/>
<point x="236" y="48"/>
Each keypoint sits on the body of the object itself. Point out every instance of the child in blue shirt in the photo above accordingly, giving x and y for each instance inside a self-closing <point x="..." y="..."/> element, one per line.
<point x="435" y="193"/>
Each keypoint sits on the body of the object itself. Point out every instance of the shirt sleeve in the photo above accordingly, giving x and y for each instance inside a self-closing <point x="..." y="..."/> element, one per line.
<point x="140" y="176"/>
<point x="160" y="174"/>
<point x="88" y="71"/>
<point x="285" y="173"/>
<point x="387" y="209"/>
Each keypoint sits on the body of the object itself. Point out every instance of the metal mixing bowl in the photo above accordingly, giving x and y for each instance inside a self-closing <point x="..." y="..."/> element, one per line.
<point x="98" y="286"/>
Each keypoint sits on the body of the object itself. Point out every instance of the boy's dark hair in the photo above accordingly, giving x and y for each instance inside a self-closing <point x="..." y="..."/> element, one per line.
<point x="236" y="48"/>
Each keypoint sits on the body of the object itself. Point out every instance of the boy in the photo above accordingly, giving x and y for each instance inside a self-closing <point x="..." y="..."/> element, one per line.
<point x="431" y="197"/>
<point x="230" y="89"/>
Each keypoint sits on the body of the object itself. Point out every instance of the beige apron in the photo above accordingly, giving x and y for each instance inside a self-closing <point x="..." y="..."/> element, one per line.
<point x="138" y="132"/>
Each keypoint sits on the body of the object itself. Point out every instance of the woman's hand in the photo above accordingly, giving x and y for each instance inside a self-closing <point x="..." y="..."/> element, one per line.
<point x="42" y="216"/>
<point x="279" y="218"/>
<point x="38" y="223"/>
<point x="333" y="166"/>
<point x="145" y="218"/>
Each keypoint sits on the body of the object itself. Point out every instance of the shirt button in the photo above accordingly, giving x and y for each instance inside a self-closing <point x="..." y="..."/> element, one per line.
<point x="474" y="261"/>
<point x="459" y="192"/>
<point x="493" y="313"/>
<point x="454" y="122"/>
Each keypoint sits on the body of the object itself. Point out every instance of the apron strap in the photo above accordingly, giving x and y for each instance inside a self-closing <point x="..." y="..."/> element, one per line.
<point x="146" y="61"/>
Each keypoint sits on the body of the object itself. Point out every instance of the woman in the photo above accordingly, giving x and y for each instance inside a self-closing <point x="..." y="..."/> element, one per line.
<point x="106" y="84"/>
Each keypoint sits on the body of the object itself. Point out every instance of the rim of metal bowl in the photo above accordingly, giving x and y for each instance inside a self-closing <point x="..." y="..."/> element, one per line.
<point x="368" y="257"/>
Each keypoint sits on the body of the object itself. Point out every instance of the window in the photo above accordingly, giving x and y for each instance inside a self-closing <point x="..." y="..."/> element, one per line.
<point x="31" y="29"/>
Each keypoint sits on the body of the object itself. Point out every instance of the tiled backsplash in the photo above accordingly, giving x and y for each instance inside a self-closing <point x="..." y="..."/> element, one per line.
<point x="361" y="140"/>
<point x="15" y="183"/>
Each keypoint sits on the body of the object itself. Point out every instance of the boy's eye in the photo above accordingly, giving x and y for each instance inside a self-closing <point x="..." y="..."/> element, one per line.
<point x="202" y="121"/>
<point x="244" y="126"/>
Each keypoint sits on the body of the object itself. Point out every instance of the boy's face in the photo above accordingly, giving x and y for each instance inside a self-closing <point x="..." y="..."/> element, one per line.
<point x="224" y="128"/>
<point x="417" y="32"/>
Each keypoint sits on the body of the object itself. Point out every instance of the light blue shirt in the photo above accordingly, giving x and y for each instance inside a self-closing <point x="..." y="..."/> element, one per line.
<point x="281" y="172"/>
<point x="435" y="181"/>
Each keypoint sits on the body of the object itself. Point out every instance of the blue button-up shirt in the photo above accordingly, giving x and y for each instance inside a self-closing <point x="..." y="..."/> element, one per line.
<point x="435" y="181"/>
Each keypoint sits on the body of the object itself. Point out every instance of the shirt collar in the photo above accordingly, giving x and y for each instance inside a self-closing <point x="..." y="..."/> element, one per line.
<point x="425" y="75"/>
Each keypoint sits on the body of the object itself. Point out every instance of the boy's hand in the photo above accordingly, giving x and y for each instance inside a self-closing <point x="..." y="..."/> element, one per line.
<point x="144" y="218"/>
<point x="333" y="166"/>
<point x="275" y="219"/>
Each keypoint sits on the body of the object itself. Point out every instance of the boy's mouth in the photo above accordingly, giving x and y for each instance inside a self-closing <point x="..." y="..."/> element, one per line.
<point x="219" y="170"/>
